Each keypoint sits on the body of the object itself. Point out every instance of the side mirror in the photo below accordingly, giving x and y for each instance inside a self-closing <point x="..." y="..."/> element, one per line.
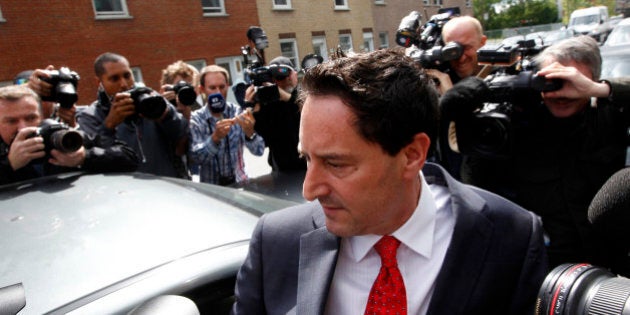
<point x="12" y="299"/>
<point x="166" y="305"/>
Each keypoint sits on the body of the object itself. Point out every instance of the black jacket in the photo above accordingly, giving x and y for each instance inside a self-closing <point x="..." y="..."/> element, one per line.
<point x="101" y="155"/>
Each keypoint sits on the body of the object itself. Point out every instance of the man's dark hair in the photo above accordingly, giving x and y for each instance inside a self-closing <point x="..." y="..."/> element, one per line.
<point x="99" y="63"/>
<point x="389" y="93"/>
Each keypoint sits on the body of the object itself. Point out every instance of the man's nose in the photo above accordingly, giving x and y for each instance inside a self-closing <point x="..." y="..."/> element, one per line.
<point x="315" y="184"/>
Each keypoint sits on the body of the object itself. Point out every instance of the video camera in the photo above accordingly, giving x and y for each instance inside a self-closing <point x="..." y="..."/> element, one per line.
<point x="147" y="103"/>
<point x="185" y="93"/>
<point x="64" y="87"/>
<point x="256" y="72"/>
<point x="58" y="136"/>
<point x="511" y="89"/>
<point x="425" y="43"/>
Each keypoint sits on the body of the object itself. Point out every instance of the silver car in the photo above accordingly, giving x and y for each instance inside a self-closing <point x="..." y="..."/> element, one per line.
<point x="103" y="244"/>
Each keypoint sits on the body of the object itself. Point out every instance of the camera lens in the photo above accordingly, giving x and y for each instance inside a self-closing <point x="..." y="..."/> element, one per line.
<point x="66" y="94"/>
<point x="187" y="95"/>
<point x="66" y="140"/>
<point x="575" y="289"/>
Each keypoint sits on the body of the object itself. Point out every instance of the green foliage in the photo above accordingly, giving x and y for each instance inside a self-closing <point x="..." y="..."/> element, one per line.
<point x="520" y="13"/>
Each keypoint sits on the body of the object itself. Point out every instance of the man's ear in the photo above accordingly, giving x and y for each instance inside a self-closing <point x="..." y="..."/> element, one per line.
<point x="416" y="154"/>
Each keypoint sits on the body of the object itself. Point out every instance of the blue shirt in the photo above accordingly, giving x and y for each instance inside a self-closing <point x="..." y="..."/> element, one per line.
<point x="225" y="158"/>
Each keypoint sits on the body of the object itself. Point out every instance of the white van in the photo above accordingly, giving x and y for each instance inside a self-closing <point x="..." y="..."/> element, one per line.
<point x="591" y="21"/>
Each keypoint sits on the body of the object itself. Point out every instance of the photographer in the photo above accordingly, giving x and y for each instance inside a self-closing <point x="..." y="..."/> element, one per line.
<point x="220" y="130"/>
<point x="178" y="87"/>
<point x="278" y="121"/>
<point x="561" y="150"/>
<point x="466" y="31"/>
<point x="24" y="151"/>
<point x="174" y="75"/>
<point x="136" y="115"/>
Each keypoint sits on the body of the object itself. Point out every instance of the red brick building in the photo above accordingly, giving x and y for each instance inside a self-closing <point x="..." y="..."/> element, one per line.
<point x="151" y="34"/>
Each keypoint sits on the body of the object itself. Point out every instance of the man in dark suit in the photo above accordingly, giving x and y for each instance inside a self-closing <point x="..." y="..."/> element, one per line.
<point x="379" y="235"/>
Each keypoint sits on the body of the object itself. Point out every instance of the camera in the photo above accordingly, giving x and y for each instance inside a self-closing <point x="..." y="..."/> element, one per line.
<point x="147" y="103"/>
<point x="185" y="93"/>
<point x="578" y="289"/>
<point x="256" y="73"/>
<point x="58" y="136"/>
<point x="510" y="92"/>
<point x="424" y="43"/>
<point x="64" y="87"/>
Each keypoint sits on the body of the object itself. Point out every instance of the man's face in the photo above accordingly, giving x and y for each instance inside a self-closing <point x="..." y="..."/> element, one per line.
<point x="215" y="82"/>
<point x="561" y="107"/>
<point x="117" y="77"/>
<point x="467" y="36"/>
<point x="356" y="182"/>
<point x="15" y="115"/>
<point x="289" y="83"/>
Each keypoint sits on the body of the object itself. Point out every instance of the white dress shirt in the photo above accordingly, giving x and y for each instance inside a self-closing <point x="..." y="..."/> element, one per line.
<point x="424" y="238"/>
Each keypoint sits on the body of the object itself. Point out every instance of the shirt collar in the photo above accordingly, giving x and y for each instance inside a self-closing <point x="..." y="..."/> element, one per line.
<point x="416" y="234"/>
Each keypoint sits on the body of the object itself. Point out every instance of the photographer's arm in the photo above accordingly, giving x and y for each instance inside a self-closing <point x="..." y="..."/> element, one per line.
<point x="67" y="159"/>
<point x="443" y="80"/>
<point x="103" y="155"/>
<point x="577" y="85"/>
<point x="202" y="148"/>
<point x="121" y="108"/>
<point x="40" y="87"/>
<point x="25" y="148"/>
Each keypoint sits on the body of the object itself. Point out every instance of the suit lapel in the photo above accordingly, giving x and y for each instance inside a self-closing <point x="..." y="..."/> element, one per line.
<point x="467" y="251"/>
<point x="318" y="257"/>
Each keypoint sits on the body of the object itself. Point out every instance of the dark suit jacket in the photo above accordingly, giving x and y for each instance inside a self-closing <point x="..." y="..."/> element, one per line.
<point x="495" y="264"/>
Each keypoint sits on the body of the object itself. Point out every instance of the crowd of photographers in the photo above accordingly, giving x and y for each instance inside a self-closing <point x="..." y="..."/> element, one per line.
<point x="546" y="135"/>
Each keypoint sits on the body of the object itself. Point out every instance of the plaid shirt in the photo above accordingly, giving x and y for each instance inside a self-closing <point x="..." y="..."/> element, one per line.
<point x="223" y="159"/>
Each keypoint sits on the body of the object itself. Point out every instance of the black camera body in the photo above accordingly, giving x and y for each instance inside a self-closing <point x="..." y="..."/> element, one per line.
<point x="64" y="87"/>
<point x="185" y="93"/>
<point x="424" y="43"/>
<point x="512" y="89"/>
<point x="263" y="79"/>
<point x="58" y="136"/>
<point x="147" y="103"/>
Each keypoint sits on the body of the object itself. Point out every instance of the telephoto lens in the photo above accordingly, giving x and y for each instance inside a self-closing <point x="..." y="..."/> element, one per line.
<point x="576" y="289"/>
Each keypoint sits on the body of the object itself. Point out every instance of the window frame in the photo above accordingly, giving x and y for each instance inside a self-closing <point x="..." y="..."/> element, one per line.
<point x="294" y="59"/>
<point x="383" y="38"/>
<point x="1" y="17"/>
<point x="320" y="41"/>
<point x="221" y="9"/>
<point x="286" y="6"/>
<point x="368" y="37"/>
<point x="343" y="6"/>
<point x="349" y="36"/>
<point x="112" y="15"/>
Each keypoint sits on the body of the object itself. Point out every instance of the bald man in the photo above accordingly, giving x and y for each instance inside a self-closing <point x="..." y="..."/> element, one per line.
<point x="466" y="31"/>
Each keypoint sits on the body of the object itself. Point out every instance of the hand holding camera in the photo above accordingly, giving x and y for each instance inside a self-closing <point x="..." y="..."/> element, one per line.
<point x="577" y="85"/>
<point x="25" y="148"/>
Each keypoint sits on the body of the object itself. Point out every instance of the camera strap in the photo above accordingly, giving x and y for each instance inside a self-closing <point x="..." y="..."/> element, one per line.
<point x="226" y="157"/>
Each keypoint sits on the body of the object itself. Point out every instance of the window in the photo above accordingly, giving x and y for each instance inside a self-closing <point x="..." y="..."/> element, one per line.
<point x="384" y="39"/>
<point x="110" y="9"/>
<point x="345" y="41"/>
<point x="341" y="5"/>
<point x="437" y="2"/>
<point x="379" y="2"/>
<point x="468" y="3"/>
<point x="368" y="42"/>
<point x="319" y="47"/>
<point x="197" y="63"/>
<point x="213" y="7"/>
<point x="425" y="2"/>
<point x="1" y="18"/>
<point x="288" y="48"/>
<point x="281" y="4"/>
<point x="137" y="75"/>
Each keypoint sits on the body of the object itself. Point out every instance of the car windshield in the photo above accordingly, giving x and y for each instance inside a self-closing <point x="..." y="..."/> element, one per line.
<point x="615" y="66"/>
<point x="619" y="36"/>
<point x="586" y="19"/>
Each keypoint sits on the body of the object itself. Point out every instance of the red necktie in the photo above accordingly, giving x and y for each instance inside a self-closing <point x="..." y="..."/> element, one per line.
<point x="388" y="294"/>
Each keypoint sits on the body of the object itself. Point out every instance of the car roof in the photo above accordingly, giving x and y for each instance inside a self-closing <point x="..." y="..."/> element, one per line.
<point x="71" y="236"/>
